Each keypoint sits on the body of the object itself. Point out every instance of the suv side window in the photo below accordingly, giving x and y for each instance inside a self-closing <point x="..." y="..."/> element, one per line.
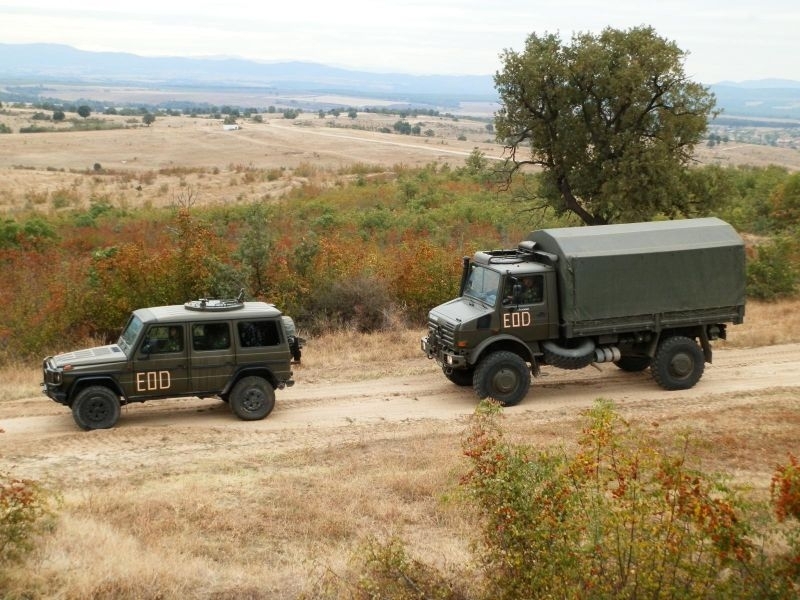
<point x="254" y="334"/>
<point x="211" y="336"/>
<point x="165" y="338"/>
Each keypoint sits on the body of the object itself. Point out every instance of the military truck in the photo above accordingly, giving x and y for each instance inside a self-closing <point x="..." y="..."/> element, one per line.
<point x="236" y="350"/>
<point x="641" y="295"/>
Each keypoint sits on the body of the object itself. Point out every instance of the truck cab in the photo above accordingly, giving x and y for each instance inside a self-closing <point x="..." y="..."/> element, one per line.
<point x="508" y="303"/>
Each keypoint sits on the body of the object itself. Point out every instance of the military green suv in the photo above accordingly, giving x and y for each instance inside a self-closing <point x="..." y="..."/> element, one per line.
<point x="239" y="351"/>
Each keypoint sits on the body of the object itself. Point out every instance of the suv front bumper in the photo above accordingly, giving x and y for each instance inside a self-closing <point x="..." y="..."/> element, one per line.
<point x="52" y="380"/>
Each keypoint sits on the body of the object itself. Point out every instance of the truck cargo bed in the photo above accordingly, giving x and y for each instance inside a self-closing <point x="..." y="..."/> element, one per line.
<point x="616" y="278"/>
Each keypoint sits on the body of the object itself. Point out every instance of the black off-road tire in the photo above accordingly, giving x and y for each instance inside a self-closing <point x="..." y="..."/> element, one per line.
<point x="633" y="364"/>
<point x="96" y="407"/>
<point x="503" y="376"/>
<point x="462" y="377"/>
<point x="252" y="398"/>
<point x="678" y="364"/>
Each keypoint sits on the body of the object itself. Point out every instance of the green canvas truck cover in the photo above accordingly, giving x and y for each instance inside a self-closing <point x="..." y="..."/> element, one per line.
<point x="648" y="270"/>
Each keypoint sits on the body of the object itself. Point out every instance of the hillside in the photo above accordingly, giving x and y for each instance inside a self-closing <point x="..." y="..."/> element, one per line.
<point x="35" y="72"/>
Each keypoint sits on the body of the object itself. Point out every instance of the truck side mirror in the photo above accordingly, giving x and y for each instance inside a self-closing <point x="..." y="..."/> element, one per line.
<point x="146" y="348"/>
<point x="517" y="293"/>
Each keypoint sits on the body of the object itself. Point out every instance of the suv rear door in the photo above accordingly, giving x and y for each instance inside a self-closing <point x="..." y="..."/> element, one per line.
<point x="213" y="356"/>
<point x="263" y="342"/>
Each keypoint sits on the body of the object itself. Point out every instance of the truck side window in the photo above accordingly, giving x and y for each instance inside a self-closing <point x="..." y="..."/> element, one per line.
<point x="211" y="336"/>
<point x="528" y="289"/>
<point x="258" y="333"/>
<point x="532" y="289"/>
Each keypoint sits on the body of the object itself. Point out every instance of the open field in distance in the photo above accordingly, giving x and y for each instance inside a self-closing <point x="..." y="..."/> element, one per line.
<point x="151" y="165"/>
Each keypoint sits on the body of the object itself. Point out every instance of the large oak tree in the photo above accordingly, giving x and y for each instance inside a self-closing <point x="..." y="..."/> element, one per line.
<point x="612" y="119"/>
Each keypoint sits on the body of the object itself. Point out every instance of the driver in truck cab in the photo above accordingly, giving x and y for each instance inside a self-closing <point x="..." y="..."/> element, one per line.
<point x="529" y="292"/>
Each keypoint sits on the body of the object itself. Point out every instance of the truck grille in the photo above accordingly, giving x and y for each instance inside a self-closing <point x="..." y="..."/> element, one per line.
<point x="443" y="335"/>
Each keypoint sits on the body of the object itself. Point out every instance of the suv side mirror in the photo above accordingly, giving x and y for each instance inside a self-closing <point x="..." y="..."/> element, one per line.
<point x="146" y="348"/>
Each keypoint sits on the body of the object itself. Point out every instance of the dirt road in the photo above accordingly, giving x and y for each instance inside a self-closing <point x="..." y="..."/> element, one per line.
<point x="40" y="438"/>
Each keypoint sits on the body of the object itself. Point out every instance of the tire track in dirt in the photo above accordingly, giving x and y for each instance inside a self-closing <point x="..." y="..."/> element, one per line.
<point x="47" y="444"/>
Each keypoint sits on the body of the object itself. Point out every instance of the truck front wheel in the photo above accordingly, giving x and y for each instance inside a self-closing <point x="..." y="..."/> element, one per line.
<point x="462" y="377"/>
<point x="503" y="376"/>
<point x="96" y="407"/>
<point x="678" y="364"/>
<point x="252" y="398"/>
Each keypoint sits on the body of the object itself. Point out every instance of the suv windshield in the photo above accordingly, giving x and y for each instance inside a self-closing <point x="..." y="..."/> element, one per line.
<point x="130" y="333"/>
<point x="482" y="284"/>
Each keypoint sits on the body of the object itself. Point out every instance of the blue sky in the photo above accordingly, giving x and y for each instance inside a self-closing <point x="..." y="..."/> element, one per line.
<point x="727" y="40"/>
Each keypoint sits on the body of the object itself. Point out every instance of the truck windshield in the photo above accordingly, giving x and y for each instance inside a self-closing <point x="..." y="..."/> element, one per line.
<point x="130" y="333"/>
<point x="482" y="284"/>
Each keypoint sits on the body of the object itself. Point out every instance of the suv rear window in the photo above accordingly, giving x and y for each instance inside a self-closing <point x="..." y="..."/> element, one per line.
<point x="211" y="336"/>
<point x="253" y="334"/>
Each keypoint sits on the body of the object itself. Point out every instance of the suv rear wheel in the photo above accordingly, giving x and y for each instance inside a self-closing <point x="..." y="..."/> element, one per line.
<point x="252" y="398"/>
<point x="96" y="407"/>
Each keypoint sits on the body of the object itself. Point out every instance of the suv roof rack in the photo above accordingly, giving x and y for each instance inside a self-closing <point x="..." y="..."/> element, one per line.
<point x="217" y="305"/>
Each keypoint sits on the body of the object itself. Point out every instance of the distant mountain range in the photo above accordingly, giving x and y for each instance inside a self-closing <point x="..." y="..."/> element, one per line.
<point x="48" y="63"/>
<point x="34" y="64"/>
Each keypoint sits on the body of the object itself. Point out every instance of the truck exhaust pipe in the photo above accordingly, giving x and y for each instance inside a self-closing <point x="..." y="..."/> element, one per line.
<point x="607" y="354"/>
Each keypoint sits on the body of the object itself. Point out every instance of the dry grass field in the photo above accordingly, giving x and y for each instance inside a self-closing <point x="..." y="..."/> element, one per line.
<point x="150" y="166"/>
<point x="181" y="500"/>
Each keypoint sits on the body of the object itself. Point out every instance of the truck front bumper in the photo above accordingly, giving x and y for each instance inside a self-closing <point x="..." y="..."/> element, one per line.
<point x="443" y="357"/>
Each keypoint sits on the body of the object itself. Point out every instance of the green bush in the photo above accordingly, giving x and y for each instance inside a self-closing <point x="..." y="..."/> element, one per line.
<point x="362" y="304"/>
<point x="771" y="272"/>
<point x="388" y="573"/>
<point x="622" y="517"/>
<point x="24" y="508"/>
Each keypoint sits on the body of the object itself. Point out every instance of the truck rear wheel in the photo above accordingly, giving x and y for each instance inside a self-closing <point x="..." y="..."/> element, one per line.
<point x="678" y="364"/>
<point x="252" y="398"/>
<point x="96" y="407"/>
<point x="503" y="376"/>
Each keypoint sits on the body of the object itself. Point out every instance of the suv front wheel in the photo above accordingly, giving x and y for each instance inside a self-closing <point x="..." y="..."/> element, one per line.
<point x="96" y="407"/>
<point x="252" y="398"/>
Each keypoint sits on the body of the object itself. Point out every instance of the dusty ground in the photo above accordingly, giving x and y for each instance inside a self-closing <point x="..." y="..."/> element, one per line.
<point x="41" y="440"/>
<point x="181" y="499"/>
